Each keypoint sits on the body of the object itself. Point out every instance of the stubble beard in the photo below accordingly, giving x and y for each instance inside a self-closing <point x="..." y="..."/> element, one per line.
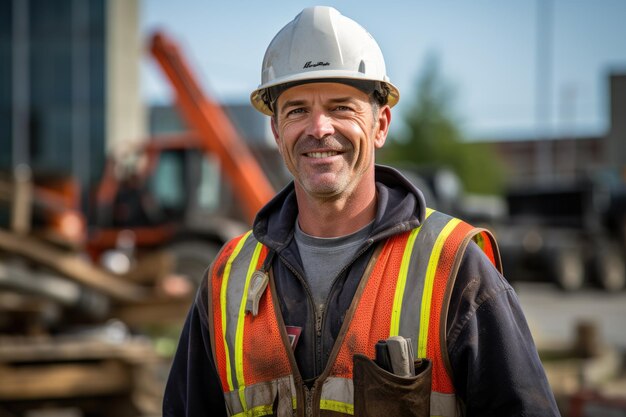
<point x="329" y="181"/>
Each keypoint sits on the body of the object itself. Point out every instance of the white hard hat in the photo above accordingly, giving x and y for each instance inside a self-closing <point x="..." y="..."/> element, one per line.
<point x="321" y="44"/>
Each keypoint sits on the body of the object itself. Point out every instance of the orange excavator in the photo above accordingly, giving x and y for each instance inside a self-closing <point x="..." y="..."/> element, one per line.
<point x="169" y="205"/>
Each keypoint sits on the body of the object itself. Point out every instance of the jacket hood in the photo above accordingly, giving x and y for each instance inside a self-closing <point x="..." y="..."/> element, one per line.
<point x="400" y="207"/>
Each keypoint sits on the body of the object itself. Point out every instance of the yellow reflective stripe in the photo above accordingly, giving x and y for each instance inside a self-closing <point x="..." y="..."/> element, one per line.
<point x="433" y="261"/>
<point x="394" y="329"/>
<point x="223" y="304"/>
<point x="337" y="406"/>
<point x="262" y="410"/>
<point x="480" y="240"/>
<point x="240" y="321"/>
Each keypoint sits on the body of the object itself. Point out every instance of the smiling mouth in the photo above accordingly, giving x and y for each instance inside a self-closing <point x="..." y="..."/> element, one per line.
<point x="321" y="154"/>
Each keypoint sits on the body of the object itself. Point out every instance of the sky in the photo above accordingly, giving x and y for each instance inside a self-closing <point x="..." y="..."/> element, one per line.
<point x="487" y="52"/>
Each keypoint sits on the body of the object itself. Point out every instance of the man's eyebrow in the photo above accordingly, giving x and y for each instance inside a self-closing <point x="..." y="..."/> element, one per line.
<point x="296" y="102"/>
<point x="341" y="99"/>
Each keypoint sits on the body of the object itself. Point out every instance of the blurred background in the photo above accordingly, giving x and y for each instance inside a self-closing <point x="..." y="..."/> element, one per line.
<point x="129" y="153"/>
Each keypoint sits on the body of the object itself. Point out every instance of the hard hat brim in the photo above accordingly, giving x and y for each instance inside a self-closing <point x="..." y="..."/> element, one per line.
<point x="257" y="96"/>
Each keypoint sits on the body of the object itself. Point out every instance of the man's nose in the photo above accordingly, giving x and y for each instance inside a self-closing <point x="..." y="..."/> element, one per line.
<point x="319" y="125"/>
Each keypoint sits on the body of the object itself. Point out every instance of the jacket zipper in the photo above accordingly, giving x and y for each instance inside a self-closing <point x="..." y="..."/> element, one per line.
<point x="308" y="400"/>
<point x="319" y="319"/>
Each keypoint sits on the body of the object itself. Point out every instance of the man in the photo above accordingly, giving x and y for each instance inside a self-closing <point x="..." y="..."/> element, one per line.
<point x="347" y="255"/>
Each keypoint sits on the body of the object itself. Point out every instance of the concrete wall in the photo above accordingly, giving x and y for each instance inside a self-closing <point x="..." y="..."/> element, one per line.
<point x="125" y="112"/>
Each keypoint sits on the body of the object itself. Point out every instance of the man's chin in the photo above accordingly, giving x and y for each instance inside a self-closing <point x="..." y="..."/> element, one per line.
<point x="322" y="189"/>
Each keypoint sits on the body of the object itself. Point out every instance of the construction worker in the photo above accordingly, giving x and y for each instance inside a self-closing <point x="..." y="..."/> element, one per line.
<point x="289" y="315"/>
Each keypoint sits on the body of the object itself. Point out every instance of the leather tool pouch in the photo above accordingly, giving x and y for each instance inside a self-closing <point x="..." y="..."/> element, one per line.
<point x="378" y="393"/>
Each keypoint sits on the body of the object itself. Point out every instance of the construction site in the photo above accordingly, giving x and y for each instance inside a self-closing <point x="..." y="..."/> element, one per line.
<point x="111" y="211"/>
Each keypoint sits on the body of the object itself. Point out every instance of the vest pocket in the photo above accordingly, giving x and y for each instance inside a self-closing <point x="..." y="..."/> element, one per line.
<point x="378" y="393"/>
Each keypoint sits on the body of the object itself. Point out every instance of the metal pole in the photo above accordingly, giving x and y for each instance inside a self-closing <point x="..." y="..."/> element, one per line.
<point x="543" y="95"/>
<point x="21" y="84"/>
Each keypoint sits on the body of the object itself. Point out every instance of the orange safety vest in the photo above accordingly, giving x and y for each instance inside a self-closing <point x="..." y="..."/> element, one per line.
<point x="405" y="291"/>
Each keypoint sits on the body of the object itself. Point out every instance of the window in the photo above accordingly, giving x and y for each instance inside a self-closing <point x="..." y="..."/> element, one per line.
<point x="208" y="188"/>
<point x="167" y="183"/>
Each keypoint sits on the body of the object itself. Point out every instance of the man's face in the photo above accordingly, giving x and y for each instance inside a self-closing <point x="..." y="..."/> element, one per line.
<point x="327" y="134"/>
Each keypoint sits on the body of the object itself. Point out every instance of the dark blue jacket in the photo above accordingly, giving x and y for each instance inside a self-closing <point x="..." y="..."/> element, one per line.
<point x="496" y="368"/>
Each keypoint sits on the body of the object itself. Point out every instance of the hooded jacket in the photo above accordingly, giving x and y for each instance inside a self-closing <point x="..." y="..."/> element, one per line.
<point x="496" y="369"/>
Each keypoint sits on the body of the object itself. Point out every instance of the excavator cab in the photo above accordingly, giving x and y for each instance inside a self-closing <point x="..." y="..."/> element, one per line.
<point x="172" y="180"/>
<point x="166" y="194"/>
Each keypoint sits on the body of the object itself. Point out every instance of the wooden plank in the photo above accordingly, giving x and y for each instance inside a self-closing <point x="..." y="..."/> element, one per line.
<point x="72" y="266"/>
<point x="46" y="349"/>
<point x="170" y="311"/>
<point x="64" y="380"/>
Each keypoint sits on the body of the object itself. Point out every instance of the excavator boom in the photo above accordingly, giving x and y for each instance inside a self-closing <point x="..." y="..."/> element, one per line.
<point x="217" y="133"/>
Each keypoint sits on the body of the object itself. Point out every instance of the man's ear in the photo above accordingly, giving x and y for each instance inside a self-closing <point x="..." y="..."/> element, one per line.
<point x="382" y="127"/>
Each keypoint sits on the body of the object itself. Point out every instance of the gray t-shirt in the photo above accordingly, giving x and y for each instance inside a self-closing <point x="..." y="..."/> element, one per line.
<point x="324" y="258"/>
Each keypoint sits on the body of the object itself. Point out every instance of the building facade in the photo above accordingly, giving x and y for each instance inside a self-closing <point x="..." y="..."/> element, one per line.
<point x="69" y="84"/>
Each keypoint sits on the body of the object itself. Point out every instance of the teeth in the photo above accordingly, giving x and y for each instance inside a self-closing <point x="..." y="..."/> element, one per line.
<point x="321" y="154"/>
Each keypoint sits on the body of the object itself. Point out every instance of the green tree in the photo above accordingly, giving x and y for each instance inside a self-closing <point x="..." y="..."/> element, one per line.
<point x="433" y="138"/>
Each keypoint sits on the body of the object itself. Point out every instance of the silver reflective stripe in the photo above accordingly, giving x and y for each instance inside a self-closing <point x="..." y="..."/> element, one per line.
<point x="443" y="405"/>
<point x="414" y="288"/>
<point x="260" y="397"/>
<point x="236" y="282"/>
<point x="338" y="395"/>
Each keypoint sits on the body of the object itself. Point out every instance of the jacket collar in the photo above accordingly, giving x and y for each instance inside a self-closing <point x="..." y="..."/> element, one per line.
<point x="401" y="207"/>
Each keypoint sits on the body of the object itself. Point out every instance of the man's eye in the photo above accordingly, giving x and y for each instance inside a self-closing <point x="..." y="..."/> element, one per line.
<point x="343" y="108"/>
<point x="296" y="111"/>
